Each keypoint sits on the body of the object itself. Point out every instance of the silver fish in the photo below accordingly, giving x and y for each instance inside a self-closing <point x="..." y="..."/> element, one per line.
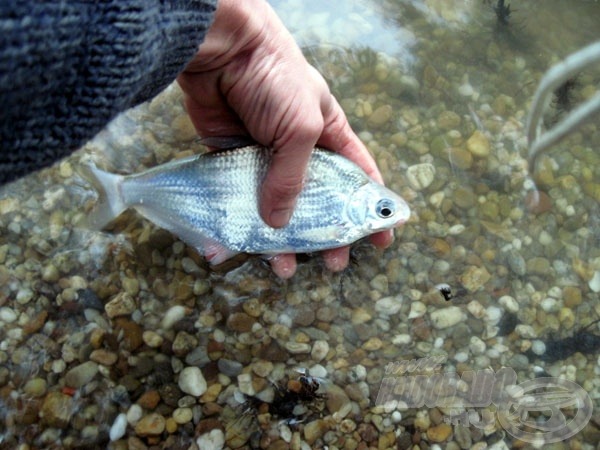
<point x="210" y="201"/>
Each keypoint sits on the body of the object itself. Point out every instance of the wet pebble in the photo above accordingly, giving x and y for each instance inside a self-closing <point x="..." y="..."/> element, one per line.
<point x="82" y="374"/>
<point x="446" y="317"/>
<point x="389" y="306"/>
<point x="122" y="304"/>
<point x="420" y="176"/>
<point x="319" y="351"/>
<point x="479" y="144"/>
<point x="439" y="433"/>
<point x="192" y="382"/>
<point x="118" y="428"/>
<point x="56" y="410"/>
<point x="152" y="424"/>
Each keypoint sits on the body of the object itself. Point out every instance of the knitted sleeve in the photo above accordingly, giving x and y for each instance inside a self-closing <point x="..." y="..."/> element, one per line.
<point x="67" y="68"/>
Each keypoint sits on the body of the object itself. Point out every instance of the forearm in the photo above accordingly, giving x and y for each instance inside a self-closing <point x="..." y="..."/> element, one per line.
<point x="67" y="68"/>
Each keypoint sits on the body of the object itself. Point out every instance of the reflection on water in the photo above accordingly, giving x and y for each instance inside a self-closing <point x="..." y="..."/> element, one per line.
<point x="99" y="330"/>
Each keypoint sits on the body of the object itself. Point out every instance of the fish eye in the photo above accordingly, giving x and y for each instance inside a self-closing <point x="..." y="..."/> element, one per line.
<point x="384" y="208"/>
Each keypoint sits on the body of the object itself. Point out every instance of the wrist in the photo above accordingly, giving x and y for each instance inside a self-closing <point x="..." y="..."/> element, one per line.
<point x="238" y="27"/>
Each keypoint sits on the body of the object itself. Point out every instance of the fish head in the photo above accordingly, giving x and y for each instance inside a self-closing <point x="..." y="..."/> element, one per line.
<point x="374" y="208"/>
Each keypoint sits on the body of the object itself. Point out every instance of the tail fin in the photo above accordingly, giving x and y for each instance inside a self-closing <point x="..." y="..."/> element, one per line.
<point x="110" y="200"/>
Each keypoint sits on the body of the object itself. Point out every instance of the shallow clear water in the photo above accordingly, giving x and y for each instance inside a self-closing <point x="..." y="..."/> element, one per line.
<point x="439" y="91"/>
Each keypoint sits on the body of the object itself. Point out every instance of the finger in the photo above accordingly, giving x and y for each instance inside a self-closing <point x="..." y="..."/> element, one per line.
<point x="283" y="265"/>
<point x="383" y="239"/>
<point x="336" y="259"/>
<point x="339" y="137"/>
<point x="285" y="177"/>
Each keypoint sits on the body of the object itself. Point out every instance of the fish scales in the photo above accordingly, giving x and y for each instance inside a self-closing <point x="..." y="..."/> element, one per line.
<point x="211" y="202"/>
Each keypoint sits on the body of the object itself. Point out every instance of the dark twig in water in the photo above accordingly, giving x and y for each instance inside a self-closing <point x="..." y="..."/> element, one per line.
<point x="502" y="12"/>
<point x="582" y="341"/>
<point x="564" y="95"/>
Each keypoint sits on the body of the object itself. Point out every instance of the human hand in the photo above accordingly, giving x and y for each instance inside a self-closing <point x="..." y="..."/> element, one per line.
<point x="250" y="77"/>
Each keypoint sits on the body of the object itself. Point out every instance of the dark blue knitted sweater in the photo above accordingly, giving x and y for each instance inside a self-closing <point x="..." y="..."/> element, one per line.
<point x="68" y="67"/>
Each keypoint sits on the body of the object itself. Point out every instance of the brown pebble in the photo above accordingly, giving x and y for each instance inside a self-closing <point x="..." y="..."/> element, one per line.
<point x="439" y="433"/>
<point x="367" y="432"/>
<point x="34" y="325"/>
<point x="57" y="409"/>
<point x="205" y="425"/>
<point x="149" y="399"/>
<point x="132" y="333"/>
<point x="104" y="357"/>
<point x="537" y="202"/>
<point x="240" y="322"/>
<point x="151" y="425"/>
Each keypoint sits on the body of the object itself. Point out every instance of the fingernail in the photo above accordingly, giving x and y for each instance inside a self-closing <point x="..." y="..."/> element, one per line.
<point x="280" y="217"/>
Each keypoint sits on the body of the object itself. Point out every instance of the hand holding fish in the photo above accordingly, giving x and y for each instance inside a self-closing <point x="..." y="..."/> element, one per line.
<point x="250" y="78"/>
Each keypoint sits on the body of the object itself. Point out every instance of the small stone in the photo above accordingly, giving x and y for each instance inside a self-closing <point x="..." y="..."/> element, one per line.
<point x="35" y="387"/>
<point x="262" y="368"/>
<point x="240" y="322"/>
<point x="213" y="440"/>
<point x="192" y="382"/>
<point x="319" y="350"/>
<point x="7" y="315"/>
<point x="474" y="278"/>
<point x="509" y="303"/>
<point x="151" y="425"/>
<point x="152" y="339"/>
<point x="229" y="367"/>
<point x="417" y="309"/>
<point x="372" y="344"/>
<point x="57" y="409"/>
<point x="380" y="116"/>
<point x="82" y="374"/>
<point x="448" y="120"/>
<point x="537" y="202"/>
<point x="149" y="399"/>
<point x="538" y="347"/>
<point x="131" y="332"/>
<point x="422" y="421"/>
<point x="104" y="357"/>
<point x="172" y="316"/>
<point x="420" y="176"/>
<point x="118" y="428"/>
<point x="252" y="307"/>
<point x="446" y="317"/>
<point x="297" y="348"/>
<point x="122" y="304"/>
<point x="460" y="158"/>
<point x="183" y="415"/>
<point x="572" y="296"/>
<point x="389" y="306"/>
<point x="439" y="433"/>
<point x="360" y="315"/>
<point x="594" y="283"/>
<point x="479" y="145"/>
<point x="314" y="430"/>
<point x="336" y="398"/>
<point x="183" y="128"/>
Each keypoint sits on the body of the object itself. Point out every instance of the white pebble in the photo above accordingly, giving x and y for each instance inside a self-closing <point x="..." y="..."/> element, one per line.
<point x="594" y="283"/>
<point x="401" y="339"/>
<point x="134" y="414"/>
<point x="493" y="314"/>
<point x="173" y="315"/>
<point x="417" y="309"/>
<point x="213" y="440"/>
<point x="245" y="384"/>
<point x="476" y="309"/>
<point x="420" y="176"/>
<point x="438" y="343"/>
<point x="285" y="433"/>
<point x="319" y="350"/>
<point x="7" y="315"/>
<point x="466" y="90"/>
<point x="538" y="347"/>
<point x="476" y="345"/>
<point x="389" y="306"/>
<point x="509" y="303"/>
<point x="525" y="331"/>
<point x="317" y="371"/>
<point x="396" y="416"/>
<point x="456" y="229"/>
<point x="461" y="356"/>
<point x="446" y="317"/>
<point x="118" y="428"/>
<point x="192" y="382"/>
<point x="550" y="304"/>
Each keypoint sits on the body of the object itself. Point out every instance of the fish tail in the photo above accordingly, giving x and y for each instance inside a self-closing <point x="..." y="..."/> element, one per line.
<point x="110" y="201"/>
